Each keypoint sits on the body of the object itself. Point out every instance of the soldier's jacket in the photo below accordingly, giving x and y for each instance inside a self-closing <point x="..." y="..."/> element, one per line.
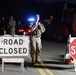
<point x="11" y="23"/>
<point x="39" y="30"/>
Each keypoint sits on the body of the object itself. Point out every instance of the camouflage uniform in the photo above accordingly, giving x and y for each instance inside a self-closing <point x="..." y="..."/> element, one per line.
<point x="36" y="45"/>
<point x="12" y="24"/>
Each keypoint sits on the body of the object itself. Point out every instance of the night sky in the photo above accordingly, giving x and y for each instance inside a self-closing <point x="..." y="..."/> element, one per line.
<point x="51" y="1"/>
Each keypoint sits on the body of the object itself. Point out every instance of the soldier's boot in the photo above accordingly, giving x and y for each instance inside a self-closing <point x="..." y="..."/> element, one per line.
<point x="37" y="59"/>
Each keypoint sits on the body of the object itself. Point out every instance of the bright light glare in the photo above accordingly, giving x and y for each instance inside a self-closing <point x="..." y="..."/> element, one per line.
<point x="29" y="30"/>
<point x="31" y="19"/>
<point x="20" y="30"/>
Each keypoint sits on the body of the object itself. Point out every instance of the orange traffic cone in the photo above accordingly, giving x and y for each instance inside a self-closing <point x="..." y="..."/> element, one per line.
<point x="68" y="59"/>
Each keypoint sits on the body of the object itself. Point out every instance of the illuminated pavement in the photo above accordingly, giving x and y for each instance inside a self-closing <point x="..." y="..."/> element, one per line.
<point x="52" y="63"/>
<point x="53" y="57"/>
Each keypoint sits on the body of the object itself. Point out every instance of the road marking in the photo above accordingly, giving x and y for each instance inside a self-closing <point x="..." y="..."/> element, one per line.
<point x="47" y="69"/>
<point x="41" y="71"/>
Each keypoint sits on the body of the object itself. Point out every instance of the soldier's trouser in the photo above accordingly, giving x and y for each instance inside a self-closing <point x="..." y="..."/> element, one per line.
<point x="36" y="48"/>
<point x="12" y="31"/>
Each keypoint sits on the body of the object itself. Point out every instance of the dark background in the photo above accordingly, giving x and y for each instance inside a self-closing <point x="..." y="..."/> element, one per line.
<point x="21" y="9"/>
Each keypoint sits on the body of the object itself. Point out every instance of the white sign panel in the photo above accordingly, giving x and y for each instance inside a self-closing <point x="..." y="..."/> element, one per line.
<point x="14" y="46"/>
<point x="71" y="39"/>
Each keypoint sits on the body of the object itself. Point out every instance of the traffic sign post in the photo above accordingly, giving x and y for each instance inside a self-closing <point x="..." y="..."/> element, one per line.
<point x="75" y="64"/>
<point x="72" y="50"/>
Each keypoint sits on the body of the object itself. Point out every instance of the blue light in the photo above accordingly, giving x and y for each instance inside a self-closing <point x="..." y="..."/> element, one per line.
<point x="31" y="19"/>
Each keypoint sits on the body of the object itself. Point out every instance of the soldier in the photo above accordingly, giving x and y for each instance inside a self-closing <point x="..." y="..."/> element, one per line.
<point x="37" y="29"/>
<point x="66" y="14"/>
<point x="3" y="25"/>
<point x="12" y="24"/>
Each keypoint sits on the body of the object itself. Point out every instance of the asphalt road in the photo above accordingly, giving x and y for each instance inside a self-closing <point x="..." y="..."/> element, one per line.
<point x="52" y="62"/>
<point x="53" y="56"/>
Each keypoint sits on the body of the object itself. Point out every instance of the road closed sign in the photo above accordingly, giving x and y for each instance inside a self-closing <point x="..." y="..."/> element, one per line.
<point x="14" y="46"/>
